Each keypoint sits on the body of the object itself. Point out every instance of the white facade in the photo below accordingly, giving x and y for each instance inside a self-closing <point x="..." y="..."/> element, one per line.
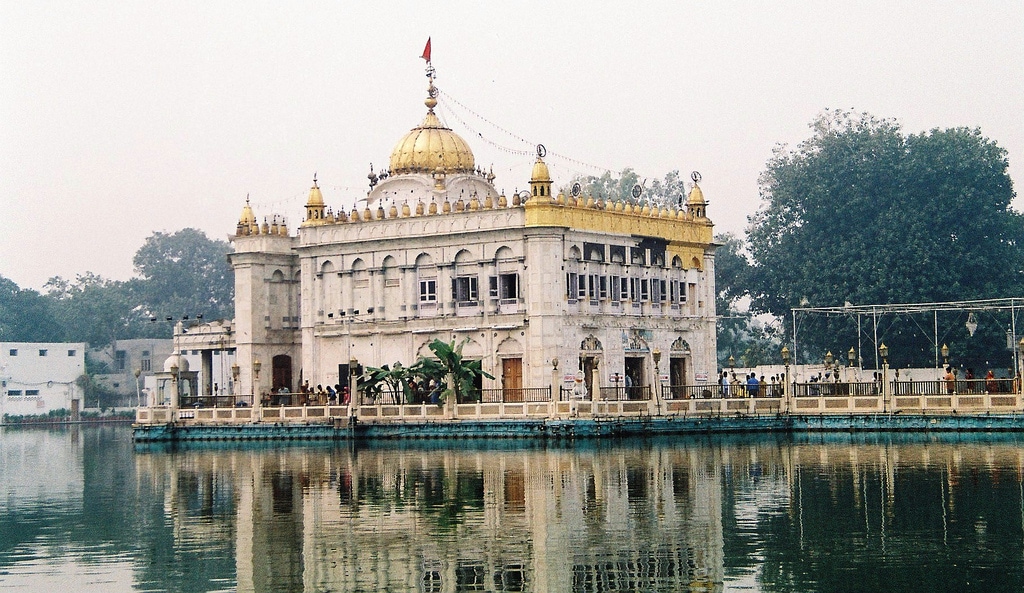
<point x="37" y="377"/>
<point x="539" y="287"/>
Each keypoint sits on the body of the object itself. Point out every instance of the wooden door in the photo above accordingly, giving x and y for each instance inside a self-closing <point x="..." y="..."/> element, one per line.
<point x="512" y="379"/>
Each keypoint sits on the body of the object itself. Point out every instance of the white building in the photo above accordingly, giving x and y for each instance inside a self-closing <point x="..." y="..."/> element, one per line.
<point x="538" y="286"/>
<point x="37" y="377"/>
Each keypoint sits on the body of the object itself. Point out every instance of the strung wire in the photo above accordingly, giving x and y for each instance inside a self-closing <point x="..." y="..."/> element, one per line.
<point x="558" y="156"/>
<point x="479" y="135"/>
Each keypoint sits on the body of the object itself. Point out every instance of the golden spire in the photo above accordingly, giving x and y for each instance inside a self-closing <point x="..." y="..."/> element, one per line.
<point x="695" y="202"/>
<point x="315" y="210"/>
<point x="431" y="146"/>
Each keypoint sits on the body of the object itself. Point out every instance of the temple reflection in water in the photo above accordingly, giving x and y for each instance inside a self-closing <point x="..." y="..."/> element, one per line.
<point x="688" y="515"/>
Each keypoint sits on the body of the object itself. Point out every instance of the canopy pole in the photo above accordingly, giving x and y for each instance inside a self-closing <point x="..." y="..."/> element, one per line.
<point x="874" y="315"/>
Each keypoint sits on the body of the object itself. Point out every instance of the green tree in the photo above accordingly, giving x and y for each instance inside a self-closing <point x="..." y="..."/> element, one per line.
<point x="862" y="213"/>
<point x="185" y="273"/>
<point x="670" y="191"/>
<point x="95" y="310"/>
<point x="26" y="315"/>
<point x="748" y="340"/>
<point x="378" y="381"/>
<point x="449" y="362"/>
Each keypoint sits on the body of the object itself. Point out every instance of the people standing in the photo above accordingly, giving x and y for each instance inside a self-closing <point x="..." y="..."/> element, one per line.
<point x="753" y="385"/>
<point x="950" y="379"/>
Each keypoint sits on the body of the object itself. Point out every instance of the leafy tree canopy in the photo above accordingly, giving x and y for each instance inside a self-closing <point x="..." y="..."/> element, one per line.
<point x="863" y="213"/>
<point x="670" y="191"/>
<point x="26" y="315"/>
<point x="185" y="273"/>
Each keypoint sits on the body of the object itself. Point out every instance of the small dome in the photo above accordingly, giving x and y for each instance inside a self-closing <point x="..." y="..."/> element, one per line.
<point x="540" y="171"/>
<point x="696" y="197"/>
<point x="315" y="197"/>
<point x="247" y="218"/>
<point x="176" y="360"/>
<point x="431" y="146"/>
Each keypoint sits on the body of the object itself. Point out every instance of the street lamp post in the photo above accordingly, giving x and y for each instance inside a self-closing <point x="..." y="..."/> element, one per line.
<point x="787" y="394"/>
<point x="174" y="388"/>
<point x="830" y="367"/>
<point x="138" y="392"/>
<point x="1020" y="373"/>
<point x="656" y="355"/>
<point x="945" y="355"/>
<point x="883" y="350"/>
<point x="256" y="365"/>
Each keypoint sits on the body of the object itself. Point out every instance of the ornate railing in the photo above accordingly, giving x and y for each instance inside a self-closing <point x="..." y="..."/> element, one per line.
<point x="830" y="389"/>
<point x="635" y="393"/>
<point x="215" y="401"/>
<point x="514" y="395"/>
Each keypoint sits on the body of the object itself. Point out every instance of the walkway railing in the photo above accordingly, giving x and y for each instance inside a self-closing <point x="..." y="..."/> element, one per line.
<point x="960" y="386"/>
<point x="917" y="397"/>
<point x="216" y="401"/>
<point x="514" y="395"/>
<point x="829" y="389"/>
<point x="635" y="393"/>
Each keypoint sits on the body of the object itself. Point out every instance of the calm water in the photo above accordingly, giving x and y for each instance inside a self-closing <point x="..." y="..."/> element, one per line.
<point x="82" y="510"/>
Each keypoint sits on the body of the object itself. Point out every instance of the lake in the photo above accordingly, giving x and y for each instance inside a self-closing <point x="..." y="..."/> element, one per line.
<point x="83" y="509"/>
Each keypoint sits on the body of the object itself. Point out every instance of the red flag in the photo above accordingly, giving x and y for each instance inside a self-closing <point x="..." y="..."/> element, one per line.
<point x="426" y="51"/>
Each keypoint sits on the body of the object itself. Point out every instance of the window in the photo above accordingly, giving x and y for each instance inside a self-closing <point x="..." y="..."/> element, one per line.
<point x="603" y="291"/>
<point x="13" y="352"/>
<point x="31" y="393"/>
<point x="624" y="287"/>
<point x="145" y="353"/>
<point x="645" y="294"/>
<point x="43" y="352"/>
<point x="616" y="287"/>
<point x="14" y="392"/>
<point x="592" y="287"/>
<point x="464" y="290"/>
<point x="593" y="252"/>
<point x="428" y="291"/>
<point x="71" y="353"/>
<point x="656" y="292"/>
<point x="638" y="255"/>
<point x="508" y="286"/>
<point x="121" y="360"/>
<point x="617" y="254"/>
<point x="571" y="286"/>
<point x="147" y="365"/>
<point x="634" y="290"/>
<point x="492" y="287"/>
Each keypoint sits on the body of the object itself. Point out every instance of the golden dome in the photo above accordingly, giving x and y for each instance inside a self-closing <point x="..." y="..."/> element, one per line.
<point x="247" y="217"/>
<point x="696" y="197"/>
<point x="540" y="171"/>
<point x="316" y="198"/>
<point x="431" y="146"/>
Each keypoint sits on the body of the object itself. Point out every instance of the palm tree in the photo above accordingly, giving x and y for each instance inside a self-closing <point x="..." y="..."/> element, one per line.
<point x="458" y="374"/>
<point x="376" y="381"/>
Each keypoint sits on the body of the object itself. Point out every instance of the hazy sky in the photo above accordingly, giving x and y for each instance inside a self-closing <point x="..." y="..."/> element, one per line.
<point x="118" y="119"/>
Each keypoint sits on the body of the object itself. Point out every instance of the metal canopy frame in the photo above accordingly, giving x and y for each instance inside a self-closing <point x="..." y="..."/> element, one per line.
<point x="874" y="311"/>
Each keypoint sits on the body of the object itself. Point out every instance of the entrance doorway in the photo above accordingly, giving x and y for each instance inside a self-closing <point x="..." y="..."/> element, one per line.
<point x="282" y="372"/>
<point x="512" y="379"/>
<point x="677" y="377"/>
<point x="634" y="377"/>
<point x="589" y="364"/>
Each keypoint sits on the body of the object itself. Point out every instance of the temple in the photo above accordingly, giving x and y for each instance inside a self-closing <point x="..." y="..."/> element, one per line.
<point x="536" y="285"/>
